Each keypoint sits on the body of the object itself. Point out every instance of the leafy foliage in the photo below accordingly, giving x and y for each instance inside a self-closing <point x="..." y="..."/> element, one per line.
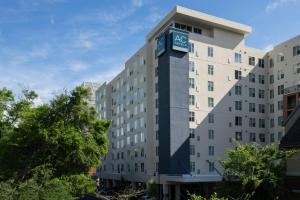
<point x="64" y="136"/>
<point x="255" y="170"/>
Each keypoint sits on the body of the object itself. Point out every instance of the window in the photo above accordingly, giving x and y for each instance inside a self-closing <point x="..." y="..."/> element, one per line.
<point x="210" y="69"/>
<point x="261" y="108"/>
<point x="280" y="121"/>
<point x="262" y="123"/>
<point x="191" y="66"/>
<point x="191" y="47"/>
<point x="238" y="58"/>
<point x="252" y="122"/>
<point x="238" y="90"/>
<point x="238" y="121"/>
<point x="280" y="74"/>
<point x="280" y="105"/>
<point x="271" y="79"/>
<point x="192" y="100"/>
<point x="261" y="94"/>
<point x="251" y="77"/>
<point x="251" y="61"/>
<point x="251" y="92"/>
<point x="271" y="93"/>
<point x="280" y="89"/>
<point x="142" y="167"/>
<point x="238" y="74"/>
<point x="297" y="69"/>
<point x="210" y="102"/>
<point x="211" y="167"/>
<point x="261" y="79"/>
<point x="238" y="136"/>
<point x="210" y="85"/>
<point x="279" y="136"/>
<point x="210" y="52"/>
<point x="136" y="167"/>
<point x="252" y="137"/>
<point x="272" y="138"/>
<point x="192" y="166"/>
<point x="192" y="150"/>
<point x="238" y="105"/>
<point x="211" y="118"/>
<point x="271" y="63"/>
<point x="261" y="63"/>
<point x="272" y="123"/>
<point x="211" y="134"/>
<point x="271" y="108"/>
<point x="211" y="150"/>
<point x="296" y="50"/>
<point x="280" y="57"/>
<point x="191" y="83"/>
<point x="192" y="132"/>
<point x="262" y="137"/>
<point x="251" y="107"/>
<point x="197" y="30"/>
<point x="192" y="117"/>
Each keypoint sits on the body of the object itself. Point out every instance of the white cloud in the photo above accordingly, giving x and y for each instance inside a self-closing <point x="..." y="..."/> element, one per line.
<point x="77" y="66"/>
<point x="268" y="47"/>
<point x="273" y="5"/>
<point x="137" y="3"/>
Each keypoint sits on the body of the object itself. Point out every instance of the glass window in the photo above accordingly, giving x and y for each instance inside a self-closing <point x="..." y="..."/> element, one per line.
<point x="210" y="52"/>
<point x="192" y="117"/>
<point x="262" y="137"/>
<point x="251" y="107"/>
<point x="238" y="89"/>
<point x="238" y="136"/>
<point x="238" y="105"/>
<point x="211" y="134"/>
<point x="261" y="79"/>
<point x="238" y="74"/>
<point x="211" y="118"/>
<point x="251" y="77"/>
<point x="238" y="58"/>
<point x="192" y="150"/>
<point x="192" y="99"/>
<point x="191" y="66"/>
<point x="251" y="61"/>
<point x="252" y="137"/>
<point x="210" y="69"/>
<point x="238" y="121"/>
<point x="191" y="83"/>
<point x="211" y="150"/>
<point x="210" y="102"/>
<point x="210" y="85"/>
<point x="251" y="92"/>
<point x="261" y="63"/>
<point x="191" y="47"/>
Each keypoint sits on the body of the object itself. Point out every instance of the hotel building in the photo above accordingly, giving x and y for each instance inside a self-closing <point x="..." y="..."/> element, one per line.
<point x="192" y="91"/>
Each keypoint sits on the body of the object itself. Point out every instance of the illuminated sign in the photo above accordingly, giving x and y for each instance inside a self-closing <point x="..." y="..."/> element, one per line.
<point x="180" y="41"/>
<point x="161" y="44"/>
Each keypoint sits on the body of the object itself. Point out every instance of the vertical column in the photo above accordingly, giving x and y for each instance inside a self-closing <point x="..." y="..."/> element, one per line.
<point x="165" y="191"/>
<point x="177" y="191"/>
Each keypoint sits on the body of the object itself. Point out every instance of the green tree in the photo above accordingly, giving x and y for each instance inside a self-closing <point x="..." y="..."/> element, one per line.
<point x="256" y="171"/>
<point x="64" y="135"/>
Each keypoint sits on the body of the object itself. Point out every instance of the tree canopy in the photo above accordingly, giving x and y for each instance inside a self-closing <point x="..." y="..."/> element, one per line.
<point x="64" y="134"/>
<point x="255" y="170"/>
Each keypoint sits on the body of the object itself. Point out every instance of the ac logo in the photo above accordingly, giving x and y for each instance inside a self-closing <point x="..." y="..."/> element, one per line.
<point x="182" y="39"/>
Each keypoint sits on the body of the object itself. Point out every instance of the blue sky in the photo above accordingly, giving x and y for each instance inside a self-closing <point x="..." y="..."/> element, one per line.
<point x="51" y="45"/>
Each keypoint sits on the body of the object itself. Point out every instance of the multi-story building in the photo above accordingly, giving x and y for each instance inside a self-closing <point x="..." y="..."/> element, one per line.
<point x="93" y="87"/>
<point x="193" y="90"/>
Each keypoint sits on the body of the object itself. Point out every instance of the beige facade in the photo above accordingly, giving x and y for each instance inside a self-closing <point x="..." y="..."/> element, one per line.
<point x="229" y="98"/>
